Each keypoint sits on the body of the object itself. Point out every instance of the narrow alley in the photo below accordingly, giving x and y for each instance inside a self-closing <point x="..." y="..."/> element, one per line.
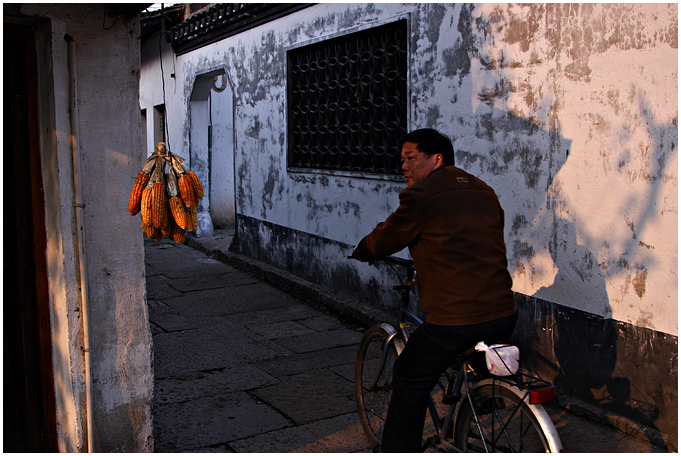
<point x="241" y="366"/>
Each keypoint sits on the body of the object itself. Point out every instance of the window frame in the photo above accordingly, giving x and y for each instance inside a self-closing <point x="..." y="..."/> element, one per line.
<point x="341" y="33"/>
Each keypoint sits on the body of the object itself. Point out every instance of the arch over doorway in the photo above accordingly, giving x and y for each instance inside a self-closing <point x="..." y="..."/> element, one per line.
<point x="211" y="144"/>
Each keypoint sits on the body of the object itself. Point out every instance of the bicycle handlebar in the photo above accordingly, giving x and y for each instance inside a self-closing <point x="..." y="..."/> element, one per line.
<point x="388" y="259"/>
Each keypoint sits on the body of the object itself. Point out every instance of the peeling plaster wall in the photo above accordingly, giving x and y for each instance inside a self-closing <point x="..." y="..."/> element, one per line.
<point x="595" y="208"/>
<point x="569" y="112"/>
<point x="111" y="153"/>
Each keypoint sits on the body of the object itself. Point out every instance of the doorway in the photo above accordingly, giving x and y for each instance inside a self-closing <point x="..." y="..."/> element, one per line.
<point x="29" y="403"/>
<point x="212" y="146"/>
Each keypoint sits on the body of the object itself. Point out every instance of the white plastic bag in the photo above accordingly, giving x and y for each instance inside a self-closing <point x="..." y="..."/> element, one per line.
<point x="502" y="359"/>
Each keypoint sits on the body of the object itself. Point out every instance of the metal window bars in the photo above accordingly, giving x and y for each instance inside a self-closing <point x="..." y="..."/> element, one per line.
<point x="347" y="101"/>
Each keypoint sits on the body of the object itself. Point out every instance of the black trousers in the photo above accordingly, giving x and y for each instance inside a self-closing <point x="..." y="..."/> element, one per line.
<point x="430" y="350"/>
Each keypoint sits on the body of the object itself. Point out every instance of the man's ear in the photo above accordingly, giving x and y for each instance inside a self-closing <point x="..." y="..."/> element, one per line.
<point x="440" y="159"/>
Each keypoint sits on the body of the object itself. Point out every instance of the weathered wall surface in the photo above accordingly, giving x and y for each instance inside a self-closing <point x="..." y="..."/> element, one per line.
<point x="568" y="111"/>
<point x="156" y="57"/>
<point x="200" y="123"/>
<point x="571" y="113"/>
<point x="109" y="141"/>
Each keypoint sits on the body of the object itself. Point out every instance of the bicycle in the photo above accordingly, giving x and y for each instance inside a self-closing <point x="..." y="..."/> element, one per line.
<point x="483" y="412"/>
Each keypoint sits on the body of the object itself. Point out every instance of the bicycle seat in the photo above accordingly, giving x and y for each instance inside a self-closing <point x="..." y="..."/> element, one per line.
<point x="468" y="353"/>
<point x="476" y="360"/>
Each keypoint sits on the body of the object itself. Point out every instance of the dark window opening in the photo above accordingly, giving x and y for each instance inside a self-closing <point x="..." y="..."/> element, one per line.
<point x="347" y="101"/>
<point x="159" y="124"/>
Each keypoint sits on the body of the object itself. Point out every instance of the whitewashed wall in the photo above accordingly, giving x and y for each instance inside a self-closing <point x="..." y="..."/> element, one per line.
<point x="568" y="111"/>
<point x="592" y="212"/>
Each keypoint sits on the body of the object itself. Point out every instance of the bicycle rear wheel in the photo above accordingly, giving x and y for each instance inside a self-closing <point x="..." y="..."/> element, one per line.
<point x="373" y="378"/>
<point x="507" y="422"/>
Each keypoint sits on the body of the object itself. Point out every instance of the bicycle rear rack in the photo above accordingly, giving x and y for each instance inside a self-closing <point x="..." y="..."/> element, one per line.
<point x="539" y="390"/>
<point x="526" y="381"/>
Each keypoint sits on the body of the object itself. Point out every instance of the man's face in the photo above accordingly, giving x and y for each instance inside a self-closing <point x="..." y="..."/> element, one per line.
<point x="416" y="165"/>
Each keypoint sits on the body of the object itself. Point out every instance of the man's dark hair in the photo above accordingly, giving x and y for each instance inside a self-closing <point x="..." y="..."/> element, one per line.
<point x="431" y="142"/>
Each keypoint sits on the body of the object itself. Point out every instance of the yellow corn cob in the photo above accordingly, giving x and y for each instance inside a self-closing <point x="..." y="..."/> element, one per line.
<point x="145" y="206"/>
<point x="186" y="190"/>
<point x="159" y="206"/>
<point x="136" y="194"/>
<point x="196" y="184"/>
<point x="149" y="230"/>
<point x="144" y="227"/>
<point x="178" y="235"/>
<point x="192" y="219"/>
<point x="168" y="230"/>
<point x="158" y="235"/>
<point x="178" y="212"/>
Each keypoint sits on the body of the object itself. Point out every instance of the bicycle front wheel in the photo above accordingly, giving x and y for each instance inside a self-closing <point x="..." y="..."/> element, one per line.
<point x="373" y="378"/>
<point x="505" y="422"/>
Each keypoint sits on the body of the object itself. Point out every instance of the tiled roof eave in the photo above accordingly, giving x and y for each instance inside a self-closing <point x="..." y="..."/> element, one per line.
<point x="223" y="20"/>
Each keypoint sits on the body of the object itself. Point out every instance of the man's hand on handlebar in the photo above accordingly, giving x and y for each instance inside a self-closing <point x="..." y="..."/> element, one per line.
<point x="364" y="258"/>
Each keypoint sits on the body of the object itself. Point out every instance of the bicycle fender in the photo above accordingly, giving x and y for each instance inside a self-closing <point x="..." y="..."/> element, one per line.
<point x="393" y="337"/>
<point x="539" y="412"/>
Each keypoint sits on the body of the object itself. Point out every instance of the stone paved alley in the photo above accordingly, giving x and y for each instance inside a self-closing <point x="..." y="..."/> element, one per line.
<point x="241" y="366"/>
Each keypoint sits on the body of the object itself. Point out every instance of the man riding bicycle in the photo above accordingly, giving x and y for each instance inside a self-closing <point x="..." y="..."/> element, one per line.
<point x="454" y="227"/>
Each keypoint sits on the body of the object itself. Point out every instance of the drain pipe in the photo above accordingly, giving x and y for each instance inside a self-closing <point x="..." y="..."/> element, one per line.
<point x="82" y="260"/>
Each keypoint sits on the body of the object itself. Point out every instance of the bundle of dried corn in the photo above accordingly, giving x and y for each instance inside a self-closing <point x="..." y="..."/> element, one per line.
<point x="167" y="201"/>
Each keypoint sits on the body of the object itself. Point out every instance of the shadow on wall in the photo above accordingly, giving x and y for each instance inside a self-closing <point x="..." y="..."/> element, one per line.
<point x="624" y="369"/>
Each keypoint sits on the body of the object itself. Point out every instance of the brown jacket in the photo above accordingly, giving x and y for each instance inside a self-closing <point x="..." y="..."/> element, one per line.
<point x="454" y="227"/>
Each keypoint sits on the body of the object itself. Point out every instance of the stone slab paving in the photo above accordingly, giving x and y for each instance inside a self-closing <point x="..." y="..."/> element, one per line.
<point x="209" y="348"/>
<point x="240" y="365"/>
<point x="243" y="367"/>
<point x="255" y="318"/>
<point x="321" y="340"/>
<point x="169" y="320"/>
<point x="212" y="420"/>
<point x="194" y="385"/>
<point x="215" y="281"/>
<point x="305" y="438"/>
<point x="230" y="300"/>
<point x="349" y="439"/>
<point x="298" y="363"/>
<point x="160" y="287"/>
<point x="310" y="396"/>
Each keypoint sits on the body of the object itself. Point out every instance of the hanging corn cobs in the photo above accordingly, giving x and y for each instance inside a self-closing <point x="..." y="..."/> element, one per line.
<point x="167" y="201"/>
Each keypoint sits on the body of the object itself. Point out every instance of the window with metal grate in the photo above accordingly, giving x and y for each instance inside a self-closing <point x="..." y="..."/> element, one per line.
<point x="347" y="101"/>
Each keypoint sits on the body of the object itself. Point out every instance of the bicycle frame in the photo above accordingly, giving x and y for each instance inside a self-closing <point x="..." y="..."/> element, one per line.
<point x="455" y="384"/>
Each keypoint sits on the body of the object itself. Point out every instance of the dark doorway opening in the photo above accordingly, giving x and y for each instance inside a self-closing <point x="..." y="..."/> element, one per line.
<point x="28" y="395"/>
